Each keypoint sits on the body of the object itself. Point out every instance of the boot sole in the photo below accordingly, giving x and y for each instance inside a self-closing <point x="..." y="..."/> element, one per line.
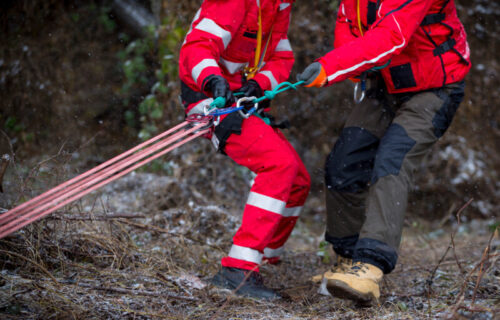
<point x="340" y="289"/>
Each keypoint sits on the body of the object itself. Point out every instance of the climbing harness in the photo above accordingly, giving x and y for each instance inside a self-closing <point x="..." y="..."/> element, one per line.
<point x="194" y="126"/>
<point x="249" y="72"/>
<point x="360" y="87"/>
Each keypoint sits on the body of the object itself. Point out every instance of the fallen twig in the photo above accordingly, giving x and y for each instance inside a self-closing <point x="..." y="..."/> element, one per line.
<point x="450" y="246"/>
<point x="479" y="309"/>
<point x="430" y="280"/>
<point x="99" y="217"/>
<point x="452" y="237"/>
<point x="461" y="295"/>
<point x="486" y="252"/>
<point x="135" y="292"/>
<point x="33" y="262"/>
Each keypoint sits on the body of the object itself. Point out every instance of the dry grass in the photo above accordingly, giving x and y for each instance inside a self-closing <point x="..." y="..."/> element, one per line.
<point x="153" y="261"/>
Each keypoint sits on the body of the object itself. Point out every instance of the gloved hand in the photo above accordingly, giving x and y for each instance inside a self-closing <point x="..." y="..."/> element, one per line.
<point x="314" y="75"/>
<point x="252" y="89"/>
<point x="219" y="87"/>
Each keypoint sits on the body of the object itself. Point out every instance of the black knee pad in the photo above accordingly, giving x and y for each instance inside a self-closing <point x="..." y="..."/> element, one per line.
<point x="349" y="166"/>
<point x="392" y="151"/>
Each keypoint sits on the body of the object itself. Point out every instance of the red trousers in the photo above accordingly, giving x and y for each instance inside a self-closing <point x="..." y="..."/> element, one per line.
<point x="276" y="197"/>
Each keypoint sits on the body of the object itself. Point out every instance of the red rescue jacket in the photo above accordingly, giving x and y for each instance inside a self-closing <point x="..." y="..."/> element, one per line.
<point x="223" y="38"/>
<point x="423" y="41"/>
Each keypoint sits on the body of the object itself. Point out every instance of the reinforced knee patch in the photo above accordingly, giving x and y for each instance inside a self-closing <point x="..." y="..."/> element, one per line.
<point x="348" y="167"/>
<point x="393" y="148"/>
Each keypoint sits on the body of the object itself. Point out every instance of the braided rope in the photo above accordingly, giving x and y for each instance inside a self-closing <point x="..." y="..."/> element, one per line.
<point x="220" y="102"/>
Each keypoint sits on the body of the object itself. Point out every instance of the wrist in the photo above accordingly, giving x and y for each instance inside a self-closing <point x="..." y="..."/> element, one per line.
<point x="321" y="78"/>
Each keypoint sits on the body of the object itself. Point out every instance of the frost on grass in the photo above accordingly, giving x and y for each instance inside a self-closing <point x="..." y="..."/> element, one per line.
<point x="141" y="252"/>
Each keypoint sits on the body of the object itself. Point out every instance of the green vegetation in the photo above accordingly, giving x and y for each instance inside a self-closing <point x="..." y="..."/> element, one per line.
<point x="149" y="65"/>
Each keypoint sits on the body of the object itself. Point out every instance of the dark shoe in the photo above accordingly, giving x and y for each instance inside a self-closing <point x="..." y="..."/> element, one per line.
<point x="232" y="278"/>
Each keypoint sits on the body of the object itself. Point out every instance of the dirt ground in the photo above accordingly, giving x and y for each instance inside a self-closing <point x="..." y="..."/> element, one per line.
<point x="135" y="251"/>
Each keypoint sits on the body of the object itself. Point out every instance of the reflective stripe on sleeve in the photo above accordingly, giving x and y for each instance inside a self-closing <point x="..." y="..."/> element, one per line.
<point x="233" y="67"/>
<point x="292" y="212"/>
<point x="283" y="45"/>
<point x="273" y="253"/>
<point x="198" y="69"/>
<point x="271" y="78"/>
<point x="374" y="60"/>
<point x="209" y="26"/>
<point x="266" y="203"/>
<point x="245" y="254"/>
<point x="283" y="6"/>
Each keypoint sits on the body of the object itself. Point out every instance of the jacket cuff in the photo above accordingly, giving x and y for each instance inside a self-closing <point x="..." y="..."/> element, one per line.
<point x="325" y="66"/>
<point x="207" y="72"/>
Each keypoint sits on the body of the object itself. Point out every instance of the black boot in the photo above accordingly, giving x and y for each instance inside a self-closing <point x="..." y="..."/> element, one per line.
<point x="232" y="278"/>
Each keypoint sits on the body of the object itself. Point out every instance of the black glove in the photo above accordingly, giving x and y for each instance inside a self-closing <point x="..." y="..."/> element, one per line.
<point x="252" y="89"/>
<point x="219" y="88"/>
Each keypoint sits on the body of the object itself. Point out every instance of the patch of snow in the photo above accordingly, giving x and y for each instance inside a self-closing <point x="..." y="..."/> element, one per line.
<point x="484" y="207"/>
<point x="480" y="67"/>
<point x="470" y="167"/>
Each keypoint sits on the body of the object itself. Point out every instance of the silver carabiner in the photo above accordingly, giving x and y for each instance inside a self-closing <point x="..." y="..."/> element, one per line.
<point x="249" y="113"/>
<point x="358" y="98"/>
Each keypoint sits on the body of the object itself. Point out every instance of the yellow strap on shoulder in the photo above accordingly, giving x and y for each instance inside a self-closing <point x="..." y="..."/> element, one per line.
<point x="251" y="71"/>
<point x="358" y="10"/>
<point x="259" y="40"/>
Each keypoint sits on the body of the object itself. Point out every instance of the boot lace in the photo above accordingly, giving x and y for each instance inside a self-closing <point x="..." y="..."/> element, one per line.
<point x="357" y="268"/>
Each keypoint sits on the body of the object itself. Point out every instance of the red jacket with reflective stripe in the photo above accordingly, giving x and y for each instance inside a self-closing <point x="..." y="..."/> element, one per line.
<point x="424" y="41"/>
<point x="223" y="38"/>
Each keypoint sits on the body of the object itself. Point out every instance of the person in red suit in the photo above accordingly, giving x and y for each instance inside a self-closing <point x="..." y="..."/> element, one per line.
<point x="242" y="46"/>
<point x="412" y="57"/>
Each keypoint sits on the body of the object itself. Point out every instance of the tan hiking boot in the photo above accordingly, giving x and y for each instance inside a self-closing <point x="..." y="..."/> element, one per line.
<point x="359" y="283"/>
<point x="341" y="265"/>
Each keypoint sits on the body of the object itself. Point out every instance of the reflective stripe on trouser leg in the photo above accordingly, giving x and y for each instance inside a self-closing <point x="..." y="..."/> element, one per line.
<point x="247" y="254"/>
<point x="261" y="149"/>
<point x="298" y="196"/>
<point x="273" y="253"/>
<point x="287" y="222"/>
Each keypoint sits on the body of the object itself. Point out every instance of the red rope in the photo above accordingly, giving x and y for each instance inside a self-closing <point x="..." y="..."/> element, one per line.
<point x="97" y="177"/>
